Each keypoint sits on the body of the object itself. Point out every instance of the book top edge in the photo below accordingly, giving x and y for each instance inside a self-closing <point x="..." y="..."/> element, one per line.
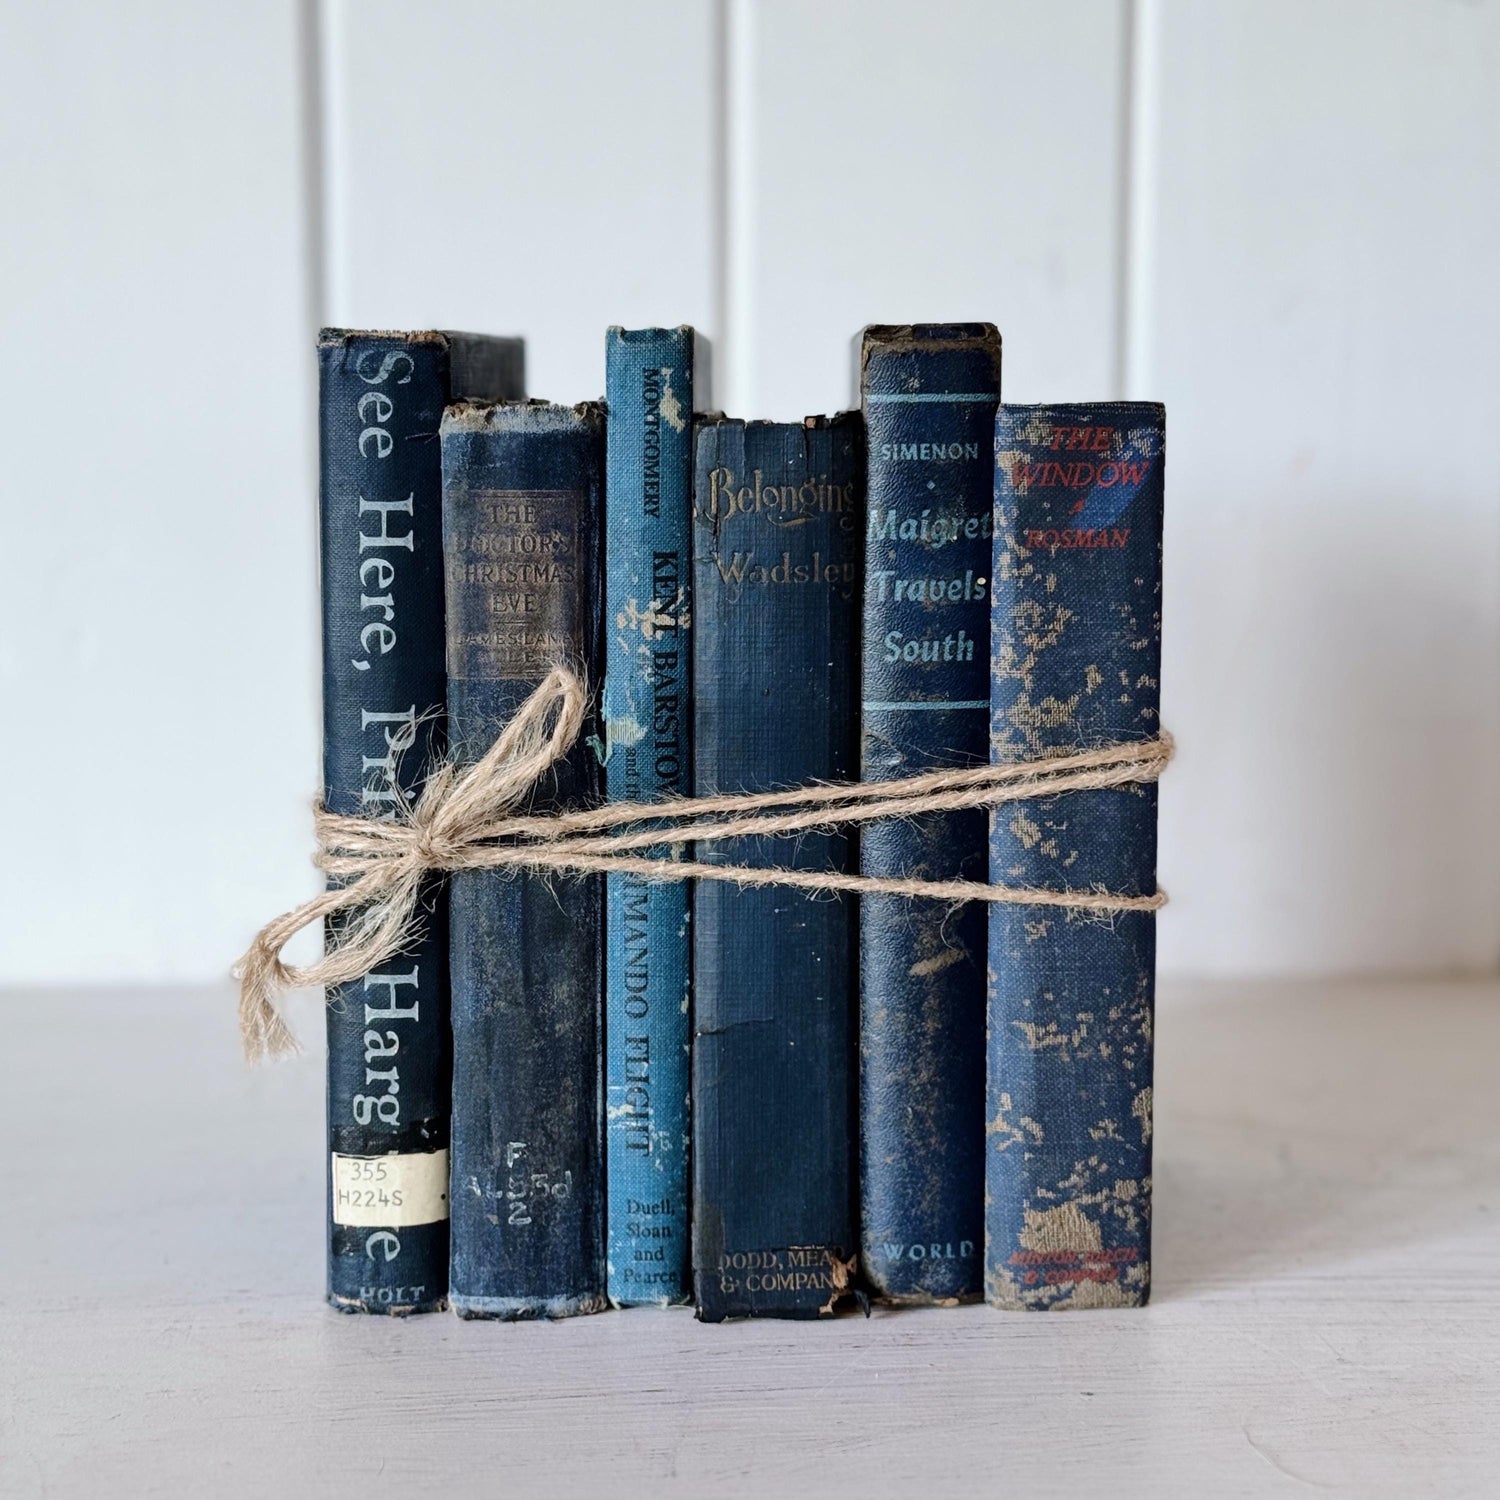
<point x="649" y="335"/>
<point x="718" y="419"/>
<point x="928" y="335"/>
<point x="332" y="338"/>
<point x="531" y="415"/>
<point x="1074" y="408"/>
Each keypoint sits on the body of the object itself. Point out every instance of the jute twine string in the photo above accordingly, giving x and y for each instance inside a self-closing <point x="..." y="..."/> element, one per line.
<point x="463" y="819"/>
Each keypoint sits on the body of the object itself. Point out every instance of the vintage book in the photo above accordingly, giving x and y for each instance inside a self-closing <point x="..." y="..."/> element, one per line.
<point x="381" y="396"/>
<point x="778" y="521"/>
<point x="929" y="393"/>
<point x="647" y="568"/>
<point x="522" y="506"/>
<point x="1076" y="663"/>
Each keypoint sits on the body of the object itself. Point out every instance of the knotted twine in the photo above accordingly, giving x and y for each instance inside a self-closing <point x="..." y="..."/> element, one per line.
<point x="463" y="819"/>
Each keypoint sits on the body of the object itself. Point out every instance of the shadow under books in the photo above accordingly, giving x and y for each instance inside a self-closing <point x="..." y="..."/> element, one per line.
<point x="1304" y="1127"/>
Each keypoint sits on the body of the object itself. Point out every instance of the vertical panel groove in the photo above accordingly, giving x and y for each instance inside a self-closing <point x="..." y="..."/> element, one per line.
<point x="333" y="186"/>
<point x="718" y="239"/>
<point x="1124" y="197"/>
<point x="1139" y="143"/>
<point x="736" y="360"/>
<point x="311" y="38"/>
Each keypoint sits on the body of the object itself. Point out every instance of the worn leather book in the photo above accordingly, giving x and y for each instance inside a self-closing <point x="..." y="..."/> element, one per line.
<point x="778" y="522"/>
<point x="522" y="507"/>
<point x="649" y="384"/>
<point x="1076" y="658"/>
<point x="929" y="393"/>
<point x="381" y="396"/>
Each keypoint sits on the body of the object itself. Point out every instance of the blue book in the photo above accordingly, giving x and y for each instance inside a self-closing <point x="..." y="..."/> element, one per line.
<point x="1076" y="662"/>
<point x="381" y="396"/>
<point x="522" y="506"/>
<point x="929" y="393"/>
<point x="647" y="573"/>
<point x="778" y="517"/>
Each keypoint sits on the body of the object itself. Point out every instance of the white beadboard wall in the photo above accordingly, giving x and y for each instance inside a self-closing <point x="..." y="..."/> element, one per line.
<point x="1279" y="216"/>
<point x="158" y="614"/>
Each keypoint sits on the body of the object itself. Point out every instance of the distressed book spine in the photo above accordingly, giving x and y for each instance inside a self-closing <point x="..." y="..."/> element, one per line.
<point x="381" y="397"/>
<point x="1075" y="663"/>
<point x="777" y="529"/>
<point x="648" y="553"/>
<point x="929" y="393"/>
<point x="522" y="506"/>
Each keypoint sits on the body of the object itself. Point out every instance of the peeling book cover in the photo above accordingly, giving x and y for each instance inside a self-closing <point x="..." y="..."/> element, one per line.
<point x="1076" y="663"/>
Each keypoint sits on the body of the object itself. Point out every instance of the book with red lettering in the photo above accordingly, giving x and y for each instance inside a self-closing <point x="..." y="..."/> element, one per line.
<point x="1075" y="662"/>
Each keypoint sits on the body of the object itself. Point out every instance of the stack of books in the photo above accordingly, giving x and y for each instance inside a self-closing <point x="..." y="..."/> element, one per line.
<point x="572" y="1092"/>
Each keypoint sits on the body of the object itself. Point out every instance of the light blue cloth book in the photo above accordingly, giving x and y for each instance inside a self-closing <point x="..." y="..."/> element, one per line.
<point x="648" y="518"/>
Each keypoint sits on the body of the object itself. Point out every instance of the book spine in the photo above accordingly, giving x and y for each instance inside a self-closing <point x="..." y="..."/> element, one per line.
<point x="522" y="505"/>
<point x="380" y="400"/>
<point x="383" y="683"/>
<point x="1075" y="663"/>
<point x="648" y="540"/>
<point x="929" y="394"/>
<point x="777" y="531"/>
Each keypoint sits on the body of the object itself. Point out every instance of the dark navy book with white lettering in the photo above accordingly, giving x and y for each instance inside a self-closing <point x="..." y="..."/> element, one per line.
<point x="778" y="525"/>
<point x="523" y="489"/>
<point x="1076" y="658"/>
<point x="381" y="396"/>
<point x="648" y="557"/>
<point x="929" y="393"/>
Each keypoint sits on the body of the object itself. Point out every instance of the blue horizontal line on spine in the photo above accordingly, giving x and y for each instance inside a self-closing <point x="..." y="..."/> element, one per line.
<point x="950" y="396"/>
<point x="921" y="704"/>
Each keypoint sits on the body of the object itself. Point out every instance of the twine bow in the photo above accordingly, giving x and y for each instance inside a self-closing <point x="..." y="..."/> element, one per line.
<point x="464" y="819"/>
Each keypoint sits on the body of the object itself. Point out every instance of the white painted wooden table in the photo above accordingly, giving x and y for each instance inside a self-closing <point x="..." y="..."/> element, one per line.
<point x="1327" y="1312"/>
